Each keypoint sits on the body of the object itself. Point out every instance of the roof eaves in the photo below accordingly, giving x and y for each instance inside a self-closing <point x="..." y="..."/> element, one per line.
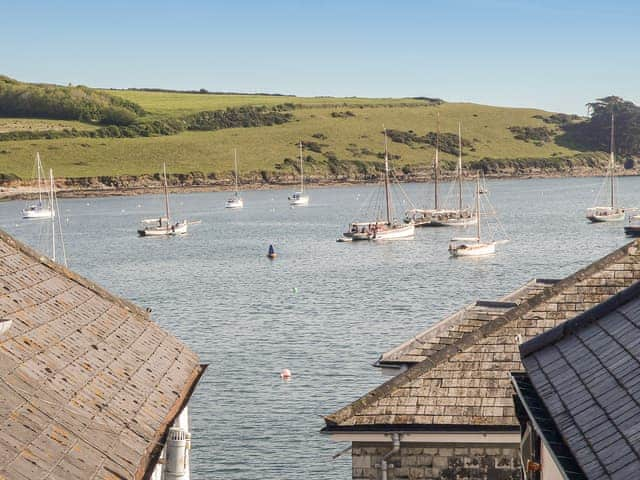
<point x="150" y="459"/>
<point x="471" y="338"/>
<point x="546" y="427"/>
<point x="414" y="427"/>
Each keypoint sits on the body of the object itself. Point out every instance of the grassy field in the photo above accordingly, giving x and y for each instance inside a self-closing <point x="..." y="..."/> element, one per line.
<point x="174" y="104"/>
<point x="263" y="147"/>
<point x="357" y="137"/>
<point x="22" y="124"/>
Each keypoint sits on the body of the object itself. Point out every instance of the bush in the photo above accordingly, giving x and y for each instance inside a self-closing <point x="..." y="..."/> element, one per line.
<point x="448" y="142"/>
<point x="538" y="135"/>
<point x="64" y="103"/>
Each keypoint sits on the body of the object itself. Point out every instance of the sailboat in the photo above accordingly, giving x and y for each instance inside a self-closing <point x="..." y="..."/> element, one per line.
<point x="53" y="203"/>
<point x="472" y="246"/>
<point x="300" y="199"/>
<point x="235" y="201"/>
<point x="389" y="229"/>
<point x="39" y="209"/>
<point x="438" y="216"/>
<point x="163" y="226"/>
<point x="609" y="213"/>
<point x="460" y="216"/>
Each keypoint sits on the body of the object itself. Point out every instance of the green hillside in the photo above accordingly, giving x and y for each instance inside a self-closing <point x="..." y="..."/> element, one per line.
<point x="197" y="132"/>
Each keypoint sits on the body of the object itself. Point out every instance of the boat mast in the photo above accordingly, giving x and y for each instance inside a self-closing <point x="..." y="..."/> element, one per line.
<point x="235" y="163"/>
<point x="53" y="220"/>
<point x="301" y="170"/>
<point x="166" y="194"/>
<point x="39" y="169"/>
<point x="436" y="165"/>
<point x="612" y="161"/>
<point x="459" y="167"/>
<point x="386" y="178"/>
<point x="478" y="206"/>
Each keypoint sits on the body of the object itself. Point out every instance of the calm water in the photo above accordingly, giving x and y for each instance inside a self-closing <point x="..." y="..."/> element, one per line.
<point x="323" y="309"/>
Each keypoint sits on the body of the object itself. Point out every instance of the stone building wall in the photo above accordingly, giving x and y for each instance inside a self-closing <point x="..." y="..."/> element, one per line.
<point x="417" y="461"/>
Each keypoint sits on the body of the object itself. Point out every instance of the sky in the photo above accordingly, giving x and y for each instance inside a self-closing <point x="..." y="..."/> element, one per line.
<point x="555" y="55"/>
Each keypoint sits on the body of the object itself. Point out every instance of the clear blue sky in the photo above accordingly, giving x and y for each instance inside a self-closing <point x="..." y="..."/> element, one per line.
<point x="556" y="55"/>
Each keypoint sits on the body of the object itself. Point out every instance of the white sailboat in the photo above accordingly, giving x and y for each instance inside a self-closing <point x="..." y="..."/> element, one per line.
<point x="472" y="246"/>
<point x="461" y="216"/>
<point x="235" y="201"/>
<point x="39" y="209"/>
<point x="53" y="203"/>
<point x="439" y="216"/>
<point x="609" y="213"/>
<point x="389" y="229"/>
<point x="163" y="226"/>
<point x="300" y="199"/>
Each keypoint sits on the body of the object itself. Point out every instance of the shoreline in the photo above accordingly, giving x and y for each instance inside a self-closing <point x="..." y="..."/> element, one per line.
<point x="64" y="190"/>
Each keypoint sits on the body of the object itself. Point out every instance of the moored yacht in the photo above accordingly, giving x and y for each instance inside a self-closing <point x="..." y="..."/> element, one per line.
<point x="235" y="201"/>
<point x="42" y="208"/>
<point x="611" y="212"/>
<point x="439" y="216"/>
<point x="473" y="246"/>
<point x="389" y="229"/>
<point x="300" y="199"/>
<point x="163" y="226"/>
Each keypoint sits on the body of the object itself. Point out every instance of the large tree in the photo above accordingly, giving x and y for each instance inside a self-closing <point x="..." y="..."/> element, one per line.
<point x="596" y="130"/>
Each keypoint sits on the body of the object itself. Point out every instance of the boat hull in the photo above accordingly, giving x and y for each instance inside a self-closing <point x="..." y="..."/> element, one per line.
<point x="299" y="201"/>
<point x="395" y="233"/>
<point x="453" y="222"/>
<point x="601" y="215"/>
<point x="234" y="203"/>
<point x="379" y="231"/>
<point x="472" y="250"/>
<point x="440" y="218"/>
<point x="38" y="213"/>
<point x="178" y="229"/>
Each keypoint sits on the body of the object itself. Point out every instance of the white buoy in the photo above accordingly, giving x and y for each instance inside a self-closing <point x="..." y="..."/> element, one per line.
<point x="285" y="374"/>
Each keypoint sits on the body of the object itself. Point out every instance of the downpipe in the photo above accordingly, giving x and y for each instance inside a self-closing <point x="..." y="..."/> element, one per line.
<point x="384" y="465"/>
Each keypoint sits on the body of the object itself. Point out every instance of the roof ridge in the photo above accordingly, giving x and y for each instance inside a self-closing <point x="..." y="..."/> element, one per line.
<point x="471" y="338"/>
<point x="578" y="322"/>
<point x="442" y="328"/>
<point x="67" y="273"/>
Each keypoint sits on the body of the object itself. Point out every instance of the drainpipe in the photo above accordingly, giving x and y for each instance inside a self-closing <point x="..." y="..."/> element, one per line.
<point x="395" y="438"/>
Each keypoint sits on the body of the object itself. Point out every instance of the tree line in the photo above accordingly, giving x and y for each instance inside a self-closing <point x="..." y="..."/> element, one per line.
<point x="80" y="103"/>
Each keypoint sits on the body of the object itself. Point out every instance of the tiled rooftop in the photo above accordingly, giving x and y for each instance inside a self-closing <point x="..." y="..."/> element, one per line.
<point x="587" y="374"/>
<point x="448" y="331"/>
<point x="88" y="384"/>
<point x="466" y="384"/>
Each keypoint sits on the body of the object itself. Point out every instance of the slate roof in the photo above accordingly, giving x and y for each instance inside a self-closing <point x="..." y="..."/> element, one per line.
<point x="466" y="385"/>
<point x="587" y="373"/>
<point x="88" y="384"/>
<point x="538" y="414"/>
<point x="452" y="328"/>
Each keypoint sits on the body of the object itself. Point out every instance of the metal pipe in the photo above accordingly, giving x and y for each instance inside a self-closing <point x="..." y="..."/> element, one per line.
<point x="384" y="466"/>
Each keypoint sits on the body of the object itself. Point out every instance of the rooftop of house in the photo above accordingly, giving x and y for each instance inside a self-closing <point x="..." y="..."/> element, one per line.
<point x="452" y="328"/>
<point x="465" y="383"/>
<point x="89" y="385"/>
<point x="586" y="372"/>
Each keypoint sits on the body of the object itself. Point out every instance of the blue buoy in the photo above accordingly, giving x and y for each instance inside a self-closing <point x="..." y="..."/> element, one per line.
<point x="272" y="253"/>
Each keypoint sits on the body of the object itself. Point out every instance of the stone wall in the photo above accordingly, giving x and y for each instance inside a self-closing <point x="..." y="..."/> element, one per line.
<point x="418" y="461"/>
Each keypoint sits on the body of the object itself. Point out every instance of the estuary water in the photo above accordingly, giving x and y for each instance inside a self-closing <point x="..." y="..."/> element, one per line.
<point x="325" y="310"/>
